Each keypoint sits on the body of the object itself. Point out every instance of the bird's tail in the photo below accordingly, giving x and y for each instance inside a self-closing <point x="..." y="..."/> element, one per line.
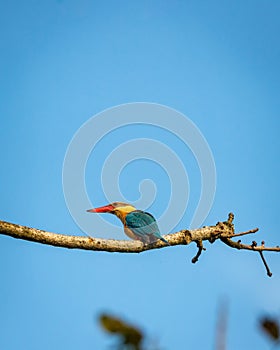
<point x="164" y="240"/>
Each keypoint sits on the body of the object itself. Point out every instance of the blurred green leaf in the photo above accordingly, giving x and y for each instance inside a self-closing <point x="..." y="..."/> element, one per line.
<point x="129" y="334"/>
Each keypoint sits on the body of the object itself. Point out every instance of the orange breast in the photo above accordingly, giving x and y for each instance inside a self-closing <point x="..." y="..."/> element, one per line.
<point x="130" y="234"/>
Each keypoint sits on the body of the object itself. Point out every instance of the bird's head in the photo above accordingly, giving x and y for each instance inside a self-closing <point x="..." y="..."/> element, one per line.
<point x="114" y="208"/>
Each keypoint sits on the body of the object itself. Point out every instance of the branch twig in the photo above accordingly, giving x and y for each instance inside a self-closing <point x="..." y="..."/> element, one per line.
<point x="200" y="249"/>
<point x="269" y="273"/>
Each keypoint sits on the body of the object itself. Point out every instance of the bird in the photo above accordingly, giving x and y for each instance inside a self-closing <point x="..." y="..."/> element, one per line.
<point x="138" y="225"/>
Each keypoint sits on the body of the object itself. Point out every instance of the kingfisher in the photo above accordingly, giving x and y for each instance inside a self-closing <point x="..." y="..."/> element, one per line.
<point x="138" y="225"/>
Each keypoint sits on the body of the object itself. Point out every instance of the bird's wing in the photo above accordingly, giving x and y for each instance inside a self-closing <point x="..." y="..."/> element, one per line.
<point x="142" y="223"/>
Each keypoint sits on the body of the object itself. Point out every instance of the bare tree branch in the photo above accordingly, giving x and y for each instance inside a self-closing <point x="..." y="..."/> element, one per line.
<point x="239" y="245"/>
<point x="254" y="230"/>
<point x="223" y="231"/>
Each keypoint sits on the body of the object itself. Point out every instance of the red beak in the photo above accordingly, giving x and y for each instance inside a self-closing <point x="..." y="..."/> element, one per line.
<point x="105" y="209"/>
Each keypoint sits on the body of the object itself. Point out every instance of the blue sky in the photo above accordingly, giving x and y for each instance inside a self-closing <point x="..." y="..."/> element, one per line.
<point x="63" y="62"/>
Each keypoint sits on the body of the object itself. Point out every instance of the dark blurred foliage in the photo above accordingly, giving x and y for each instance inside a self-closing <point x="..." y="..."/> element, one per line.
<point x="130" y="336"/>
<point x="270" y="327"/>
